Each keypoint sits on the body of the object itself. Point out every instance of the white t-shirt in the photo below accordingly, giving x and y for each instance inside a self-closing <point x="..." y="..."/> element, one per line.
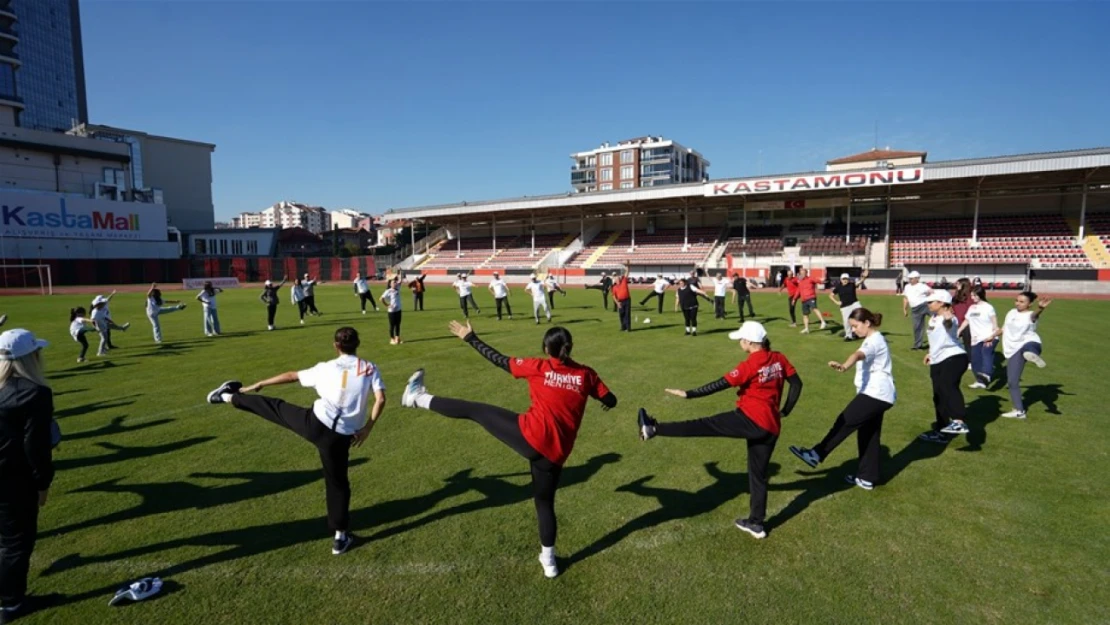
<point x="944" y="342"/>
<point x="392" y="300"/>
<point x="151" y="305"/>
<point x="660" y="285"/>
<point x="874" y="375"/>
<point x="500" y="289"/>
<point x="208" y="300"/>
<point x="537" y="291"/>
<point x="1019" y="329"/>
<point x="720" y="287"/>
<point x="979" y="322"/>
<point x="344" y="384"/>
<point x="99" y="314"/>
<point x="78" y="327"/>
<point x="552" y="283"/>
<point x="361" y="285"/>
<point x="916" y="293"/>
<point x="463" y="287"/>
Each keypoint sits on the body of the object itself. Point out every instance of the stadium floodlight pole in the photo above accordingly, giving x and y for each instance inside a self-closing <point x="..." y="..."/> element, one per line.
<point x="1083" y="206"/>
<point x="458" y="241"/>
<point x="744" y="210"/>
<point x="848" y="230"/>
<point x="493" y="224"/>
<point x="975" y="221"/>
<point x="685" y="224"/>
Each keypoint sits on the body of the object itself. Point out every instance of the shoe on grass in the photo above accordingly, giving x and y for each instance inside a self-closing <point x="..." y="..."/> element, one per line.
<point x="864" y="484"/>
<point x="230" y="387"/>
<point x="1014" y="414"/>
<point x="646" y="425"/>
<point x="413" y="389"/>
<point x="807" y="456"/>
<point x="955" y="427"/>
<point x="751" y="527"/>
<point x="339" y="546"/>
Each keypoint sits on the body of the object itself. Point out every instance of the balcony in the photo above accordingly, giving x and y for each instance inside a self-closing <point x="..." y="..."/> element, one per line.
<point x="10" y="57"/>
<point x="8" y="33"/>
<point x="8" y="13"/>
<point x="583" y="167"/>
<point x="13" y="101"/>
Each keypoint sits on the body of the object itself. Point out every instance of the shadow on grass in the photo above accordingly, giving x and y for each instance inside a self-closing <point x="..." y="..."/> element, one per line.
<point x="119" y="453"/>
<point x="94" y="406"/>
<point x="1047" y="394"/>
<point x="981" y="412"/>
<point x="163" y="497"/>
<point x="91" y="367"/>
<point x="115" y="427"/>
<point x="250" y="541"/>
<point x="674" y="504"/>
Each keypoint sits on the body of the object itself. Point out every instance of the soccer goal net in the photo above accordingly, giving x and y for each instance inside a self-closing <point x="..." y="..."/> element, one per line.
<point x="27" y="277"/>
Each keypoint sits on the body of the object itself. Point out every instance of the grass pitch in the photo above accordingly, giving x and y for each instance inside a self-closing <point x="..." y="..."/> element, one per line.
<point x="1006" y="525"/>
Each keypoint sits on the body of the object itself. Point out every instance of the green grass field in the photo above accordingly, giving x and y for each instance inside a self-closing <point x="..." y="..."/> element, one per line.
<point x="1006" y="525"/>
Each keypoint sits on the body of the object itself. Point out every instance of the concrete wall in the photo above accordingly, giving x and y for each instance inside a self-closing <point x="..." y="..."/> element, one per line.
<point x="183" y="170"/>
<point x="31" y="250"/>
<point x="32" y="168"/>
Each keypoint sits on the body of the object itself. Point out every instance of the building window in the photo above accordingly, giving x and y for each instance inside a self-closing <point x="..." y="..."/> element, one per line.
<point x="626" y="156"/>
<point x="607" y="187"/>
<point x="606" y="159"/>
<point x="252" y="247"/>
<point x="200" y="246"/>
<point x="223" y="247"/>
<point x="236" y="247"/>
<point x="626" y="172"/>
<point x="627" y="185"/>
<point x="607" y="174"/>
<point x="114" y="176"/>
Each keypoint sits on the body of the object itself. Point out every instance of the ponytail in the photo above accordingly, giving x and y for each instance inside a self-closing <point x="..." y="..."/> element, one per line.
<point x="766" y="344"/>
<point x="1029" y="295"/>
<point x="557" y="343"/>
<point x="864" y="315"/>
<point x="74" y="313"/>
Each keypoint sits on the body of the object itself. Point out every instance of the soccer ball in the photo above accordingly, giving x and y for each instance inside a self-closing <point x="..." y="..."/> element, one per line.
<point x="647" y="320"/>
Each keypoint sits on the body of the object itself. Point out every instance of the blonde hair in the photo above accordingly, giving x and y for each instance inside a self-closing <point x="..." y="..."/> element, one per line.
<point x="28" y="367"/>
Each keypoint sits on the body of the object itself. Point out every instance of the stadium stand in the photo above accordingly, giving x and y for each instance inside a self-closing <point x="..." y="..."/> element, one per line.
<point x="763" y="240"/>
<point x="662" y="247"/>
<point x="1002" y="239"/>
<point x="518" y="253"/>
<point x="1099" y="224"/>
<point x="870" y="229"/>
<point x="475" y="251"/>
<point x="833" y="246"/>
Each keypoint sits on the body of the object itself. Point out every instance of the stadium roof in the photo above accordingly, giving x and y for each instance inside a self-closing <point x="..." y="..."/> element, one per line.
<point x="875" y="154"/>
<point x="1021" y="170"/>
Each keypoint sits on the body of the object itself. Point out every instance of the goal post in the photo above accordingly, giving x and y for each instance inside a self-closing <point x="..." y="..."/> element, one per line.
<point x="27" y="277"/>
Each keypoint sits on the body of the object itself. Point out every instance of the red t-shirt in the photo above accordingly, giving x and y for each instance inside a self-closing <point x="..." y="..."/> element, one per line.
<point x="620" y="289"/>
<point x="791" y="287"/>
<point x="559" y="393"/>
<point x="960" y="309"/>
<point x="807" y="288"/>
<point x="760" y="379"/>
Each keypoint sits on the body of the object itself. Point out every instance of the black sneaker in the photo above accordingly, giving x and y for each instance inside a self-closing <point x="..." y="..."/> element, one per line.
<point x="856" y="481"/>
<point x="939" y="438"/>
<point x="751" y="527"/>
<point x="340" y="545"/>
<point x="647" y="425"/>
<point x="231" y="386"/>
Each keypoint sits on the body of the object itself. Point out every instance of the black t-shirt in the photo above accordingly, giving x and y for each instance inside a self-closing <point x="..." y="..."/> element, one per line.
<point x="740" y="285"/>
<point x="606" y="283"/>
<point x="694" y="281"/>
<point x="687" y="298"/>
<point x="269" y="295"/>
<point x="846" y="293"/>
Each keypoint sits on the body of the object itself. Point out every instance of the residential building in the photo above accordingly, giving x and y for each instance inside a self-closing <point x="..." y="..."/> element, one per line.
<point x="346" y="218"/>
<point x="634" y="163"/>
<point x="179" y="170"/>
<point x="875" y="158"/>
<point x="287" y="215"/>
<point x="247" y="220"/>
<point x="220" y="242"/>
<point x="42" y="69"/>
<point x="301" y="242"/>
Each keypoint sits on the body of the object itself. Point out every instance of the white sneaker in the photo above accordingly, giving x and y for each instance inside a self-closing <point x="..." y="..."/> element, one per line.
<point x="302" y="322"/>
<point x="364" y="312"/>
<point x="806" y="331"/>
<point x="822" y="325"/>
<point x="1034" y="358"/>
<point x="977" y="385"/>
<point x="414" y="389"/>
<point x="124" y="327"/>
<point x="550" y="567"/>
<point x="270" y="328"/>
<point x="1014" y="414"/>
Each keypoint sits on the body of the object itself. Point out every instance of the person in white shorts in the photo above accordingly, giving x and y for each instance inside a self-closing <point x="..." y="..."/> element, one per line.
<point x="539" y="298"/>
<point x="339" y="420"/>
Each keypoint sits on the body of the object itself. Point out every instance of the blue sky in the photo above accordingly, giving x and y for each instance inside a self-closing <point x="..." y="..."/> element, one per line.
<point x="377" y="105"/>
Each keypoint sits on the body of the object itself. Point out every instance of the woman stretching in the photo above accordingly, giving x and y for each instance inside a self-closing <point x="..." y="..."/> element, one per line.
<point x="864" y="414"/>
<point x="78" y="327"/>
<point x="686" y="297"/>
<point x="156" y="306"/>
<point x="545" y="434"/>
<point x="760" y="379"/>
<point x="207" y="297"/>
<point x="947" y="362"/>
<point x="1021" y="344"/>
<point x="392" y="300"/>
<point x="981" y="326"/>
<point x="790" y="283"/>
<point x="102" y="320"/>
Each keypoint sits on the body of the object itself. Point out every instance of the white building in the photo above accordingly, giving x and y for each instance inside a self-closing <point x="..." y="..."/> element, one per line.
<point x="286" y="214"/>
<point x="247" y="220"/>
<point x="347" y="218"/>
<point x="635" y="163"/>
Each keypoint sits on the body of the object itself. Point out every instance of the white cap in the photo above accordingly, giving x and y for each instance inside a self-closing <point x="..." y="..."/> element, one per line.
<point x="268" y="283"/>
<point x="913" y="274"/>
<point x="18" y="343"/>
<point x="99" y="299"/>
<point x="940" y="295"/>
<point x="751" y="331"/>
<point x="845" y="276"/>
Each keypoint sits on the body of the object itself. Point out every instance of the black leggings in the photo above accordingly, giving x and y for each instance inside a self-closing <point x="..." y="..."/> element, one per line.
<point x="504" y="425"/>
<point x="691" y="316"/>
<point x="395" y="324"/>
<point x="417" y="301"/>
<point x="271" y="310"/>
<point x="508" y="306"/>
<point x="367" y="297"/>
<point x="863" y="415"/>
<point x="735" y="424"/>
<point x="310" y="304"/>
<point x="948" y="399"/>
<point x="468" y="299"/>
<point x="19" y="513"/>
<point x="302" y="308"/>
<point x="651" y="295"/>
<point x="334" y="449"/>
<point x="84" y="344"/>
<point x="793" y="303"/>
